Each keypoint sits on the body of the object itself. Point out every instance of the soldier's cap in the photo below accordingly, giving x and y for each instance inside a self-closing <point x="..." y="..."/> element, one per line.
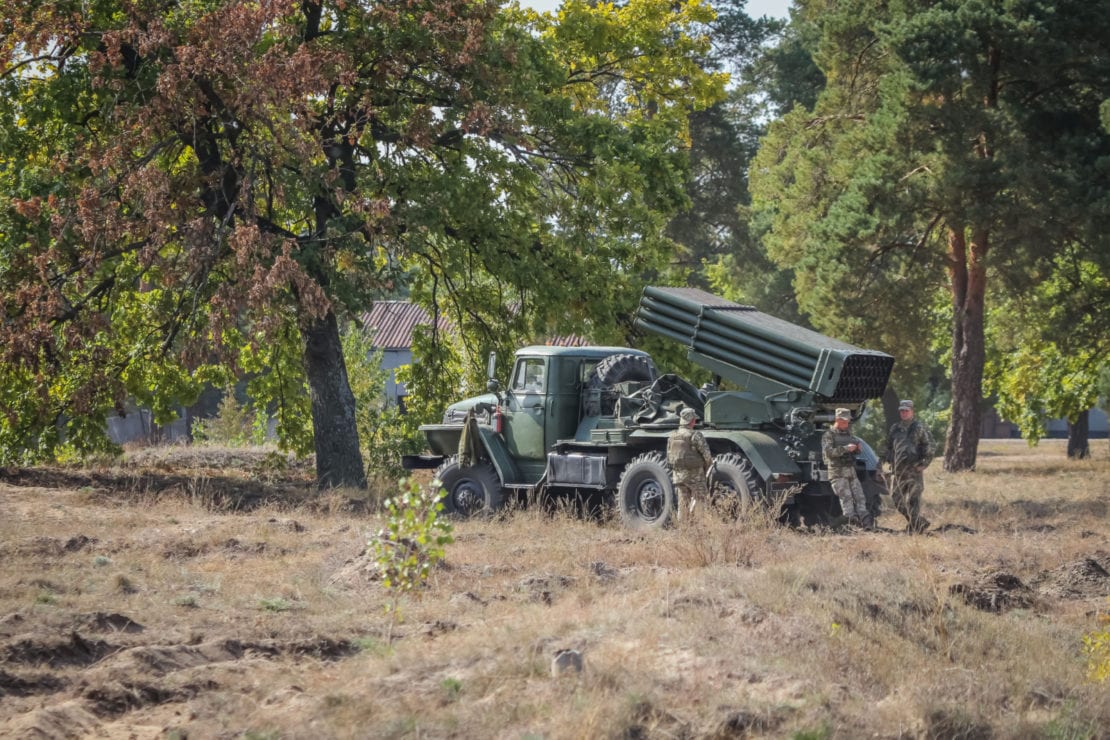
<point x="844" y="414"/>
<point x="686" y="415"/>
<point x="906" y="404"/>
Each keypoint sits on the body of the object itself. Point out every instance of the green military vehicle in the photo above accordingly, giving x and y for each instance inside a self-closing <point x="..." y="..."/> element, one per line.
<point x="580" y="420"/>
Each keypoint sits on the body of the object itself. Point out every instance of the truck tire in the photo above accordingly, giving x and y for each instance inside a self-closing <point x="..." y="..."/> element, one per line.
<point x="621" y="368"/>
<point x="734" y="484"/>
<point x="612" y="370"/>
<point x="469" y="491"/>
<point x="645" y="493"/>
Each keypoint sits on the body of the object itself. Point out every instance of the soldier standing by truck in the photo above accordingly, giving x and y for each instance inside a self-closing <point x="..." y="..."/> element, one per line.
<point x="909" y="450"/>
<point x="839" y="448"/>
<point x="688" y="454"/>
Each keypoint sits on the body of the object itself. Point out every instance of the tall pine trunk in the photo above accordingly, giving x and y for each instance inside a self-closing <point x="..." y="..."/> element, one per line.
<point x="338" y="458"/>
<point x="1079" y="446"/>
<point x="967" y="272"/>
<point x="890" y="401"/>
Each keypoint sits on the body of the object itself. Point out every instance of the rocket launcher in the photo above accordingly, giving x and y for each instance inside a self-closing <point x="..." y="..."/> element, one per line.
<point x="762" y="354"/>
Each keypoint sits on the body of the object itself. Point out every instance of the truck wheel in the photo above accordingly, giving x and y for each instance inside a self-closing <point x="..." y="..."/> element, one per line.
<point x="617" y="369"/>
<point x="734" y="484"/>
<point x="646" y="493"/>
<point x="471" y="490"/>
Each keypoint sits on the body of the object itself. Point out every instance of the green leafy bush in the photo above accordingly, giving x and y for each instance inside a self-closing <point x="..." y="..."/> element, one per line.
<point x="385" y="433"/>
<point x="1096" y="646"/>
<point x="235" y="424"/>
<point x="413" y="540"/>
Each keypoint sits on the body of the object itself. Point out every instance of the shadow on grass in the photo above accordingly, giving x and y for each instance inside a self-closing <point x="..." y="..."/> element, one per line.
<point x="216" y="492"/>
<point x="1040" y="509"/>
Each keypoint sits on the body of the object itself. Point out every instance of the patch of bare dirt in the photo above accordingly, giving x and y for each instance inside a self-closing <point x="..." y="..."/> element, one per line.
<point x="1081" y="579"/>
<point x="995" y="591"/>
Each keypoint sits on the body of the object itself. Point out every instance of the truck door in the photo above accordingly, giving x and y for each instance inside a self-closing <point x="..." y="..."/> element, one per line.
<point x="526" y="414"/>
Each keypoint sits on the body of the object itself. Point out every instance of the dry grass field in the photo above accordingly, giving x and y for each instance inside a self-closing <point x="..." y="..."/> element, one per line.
<point x="207" y="593"/>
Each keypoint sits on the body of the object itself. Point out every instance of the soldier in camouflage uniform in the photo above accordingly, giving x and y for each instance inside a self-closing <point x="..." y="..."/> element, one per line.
<point x="688" y="454"/>
<point x="839" y="449"/>
<point x="909" y="450"/>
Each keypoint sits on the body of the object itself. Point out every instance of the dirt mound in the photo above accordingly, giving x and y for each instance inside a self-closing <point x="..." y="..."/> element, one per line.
<point x="49" y="546"/>
<point x="204" y="456"/>
<point x="69" y="719"/>
<point x="357" y="572"/>
<point x="1083" y="579"/>
<point x="32" y="683"/>
<point x="105" y="622"/>
<point x="56" y="652"/>
<point x="220" y="488"/>
<point x="114" y="699"/>
<point x="994" y="592"/>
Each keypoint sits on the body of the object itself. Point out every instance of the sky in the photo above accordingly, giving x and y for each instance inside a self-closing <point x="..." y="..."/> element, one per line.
<point x="756" y="8"/>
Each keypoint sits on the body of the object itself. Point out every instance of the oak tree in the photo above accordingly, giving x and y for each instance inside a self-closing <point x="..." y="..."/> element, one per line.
<point x="198" y="184"/>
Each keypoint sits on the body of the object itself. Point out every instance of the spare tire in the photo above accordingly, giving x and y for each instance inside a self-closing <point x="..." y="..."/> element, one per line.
<point x="620" y="369"/>
<point x="610" y="371"/>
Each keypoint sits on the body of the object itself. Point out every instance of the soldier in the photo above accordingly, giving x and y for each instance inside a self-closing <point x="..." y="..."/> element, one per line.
<point x="839" y="449"/>
<point x="909" y="450"/>
<point x="688" y="454"/>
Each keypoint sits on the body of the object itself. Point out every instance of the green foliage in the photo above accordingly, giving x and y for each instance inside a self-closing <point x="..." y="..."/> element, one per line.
<point x="821" y="732"/>
<point x="371" y="645"/>
<point x="232" y="425"/>
<point x="1051" y="345"/>
<point x="919" y="136"/>
<point x="452" y="687"/>
<point x="1104" y="388"/>
<point x="383" y="430"/>
<point x="413" y="540"/>
<point x="1096" y="646"/>
<point x="437" y="376"/>
<point x="276" y="604"/>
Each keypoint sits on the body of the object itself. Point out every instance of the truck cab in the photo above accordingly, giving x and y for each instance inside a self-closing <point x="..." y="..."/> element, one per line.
<point x="544" y="401"/>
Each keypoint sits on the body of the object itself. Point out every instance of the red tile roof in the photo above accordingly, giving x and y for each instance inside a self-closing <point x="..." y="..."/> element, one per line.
<point x="391" y="323"/>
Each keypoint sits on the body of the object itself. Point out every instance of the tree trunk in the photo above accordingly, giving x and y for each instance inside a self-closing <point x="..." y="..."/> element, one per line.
<point x="967" y="272"/>
<point x="338" y="457"/>
<point x="890" y="408"/>
<point x="1079" y="447"/>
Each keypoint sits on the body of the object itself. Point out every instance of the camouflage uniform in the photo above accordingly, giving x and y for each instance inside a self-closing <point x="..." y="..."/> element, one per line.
<point x="842" y="474"/>
<point x="688" y="454"/>
<point x="908" y="448"/>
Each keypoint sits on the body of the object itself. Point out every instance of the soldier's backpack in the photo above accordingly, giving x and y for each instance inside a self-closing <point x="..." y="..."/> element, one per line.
<point x="681" y="453"/>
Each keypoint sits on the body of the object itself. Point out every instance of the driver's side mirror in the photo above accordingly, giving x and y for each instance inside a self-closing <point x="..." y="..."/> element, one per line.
<point x="492" y="385"/>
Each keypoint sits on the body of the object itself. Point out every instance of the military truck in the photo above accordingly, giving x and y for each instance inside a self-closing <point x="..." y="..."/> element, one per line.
<point x="575" y="420"/>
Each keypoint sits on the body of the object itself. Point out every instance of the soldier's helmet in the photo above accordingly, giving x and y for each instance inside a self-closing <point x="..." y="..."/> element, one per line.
<point x="905" y="404"/>
<point x="686" y="415"/>
<point x="844" y="414"/>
